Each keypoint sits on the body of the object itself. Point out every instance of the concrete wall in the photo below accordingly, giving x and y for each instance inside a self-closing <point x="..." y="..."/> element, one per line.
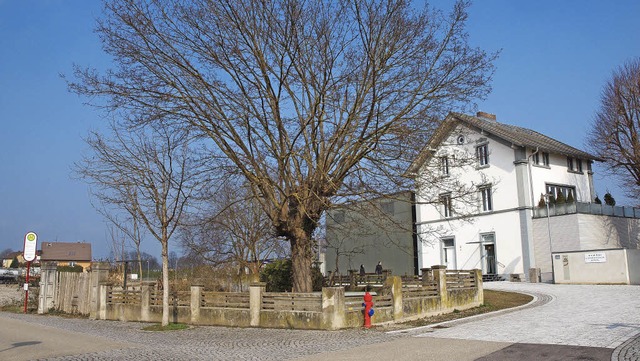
<point x="605" y="266"/>
<point x="633" y="262"/>
<point x="455" y="290"/>
<point x="581" y="232"/>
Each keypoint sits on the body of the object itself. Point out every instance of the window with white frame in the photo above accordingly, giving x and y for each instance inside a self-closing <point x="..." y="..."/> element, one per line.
<point x="541" y="158"/>
<point x="574" y="164"/>
<point x="482" y="154"/>
<point x="444" y="165"/>
<point x="545" y="159"/>
<point x="554" y="190"/>
<point x="486" y="199"/>
<point x="447" y="208"/>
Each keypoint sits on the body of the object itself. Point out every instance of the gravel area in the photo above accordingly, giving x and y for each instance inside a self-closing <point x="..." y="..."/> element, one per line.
<point x="10" y="293"/>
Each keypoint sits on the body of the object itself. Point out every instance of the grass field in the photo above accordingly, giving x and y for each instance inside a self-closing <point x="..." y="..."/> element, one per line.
<point x="493" y="301"/>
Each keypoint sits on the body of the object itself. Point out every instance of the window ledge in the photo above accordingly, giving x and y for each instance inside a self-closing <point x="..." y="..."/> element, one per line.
<point x="542" y="166"/>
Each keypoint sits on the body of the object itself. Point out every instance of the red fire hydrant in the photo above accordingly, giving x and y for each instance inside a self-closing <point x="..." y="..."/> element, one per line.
<point x="368" y="309"/>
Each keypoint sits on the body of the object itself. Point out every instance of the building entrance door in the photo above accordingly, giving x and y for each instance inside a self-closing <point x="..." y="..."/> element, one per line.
<point x="488" y="250"/>
<point x="490" y="259"/>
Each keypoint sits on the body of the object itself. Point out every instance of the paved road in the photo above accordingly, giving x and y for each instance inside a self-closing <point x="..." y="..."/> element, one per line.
<point x="564" y="323"/>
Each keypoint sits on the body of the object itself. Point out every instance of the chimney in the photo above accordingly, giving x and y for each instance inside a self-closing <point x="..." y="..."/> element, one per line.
<point x="487" y="116"/>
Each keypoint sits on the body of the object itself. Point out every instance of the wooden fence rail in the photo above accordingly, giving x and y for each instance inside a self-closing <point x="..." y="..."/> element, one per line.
<point x="285" y="301"/>
<point x="225" y="299"/>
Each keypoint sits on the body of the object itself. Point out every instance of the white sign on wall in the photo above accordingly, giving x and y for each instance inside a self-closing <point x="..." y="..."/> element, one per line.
<point x="595" y="257"/>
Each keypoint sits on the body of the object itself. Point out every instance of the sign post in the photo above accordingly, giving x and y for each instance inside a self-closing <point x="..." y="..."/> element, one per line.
<point x="29" y="254"/>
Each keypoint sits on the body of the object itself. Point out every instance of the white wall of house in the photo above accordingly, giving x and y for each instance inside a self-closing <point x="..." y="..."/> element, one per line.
<point x="517" y="184"/>
<point x="503" y="221"/>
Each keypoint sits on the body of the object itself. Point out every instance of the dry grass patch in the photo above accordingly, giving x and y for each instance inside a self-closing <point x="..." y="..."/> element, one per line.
<point x="493" y="301"/>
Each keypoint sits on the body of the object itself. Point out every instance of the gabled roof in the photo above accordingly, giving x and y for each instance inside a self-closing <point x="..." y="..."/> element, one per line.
<point x="66" y="251"/>
<point x="518" y="136"/>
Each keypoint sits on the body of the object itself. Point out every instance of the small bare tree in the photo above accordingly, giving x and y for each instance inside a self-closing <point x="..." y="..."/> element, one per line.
<point x="310" y="100"/>
<point x="615" y="132"/>
<point x="234" y="231"/>
<point x="150" y="173"/>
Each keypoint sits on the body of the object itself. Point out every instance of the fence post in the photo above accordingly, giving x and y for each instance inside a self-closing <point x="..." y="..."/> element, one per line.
<point x="102" y="301"/>
<point x="427" y="276"/>
<point x="255" y="302"/>
<point x="333" y="308"/>
<point x="395" y="284"/>
<point x="48" y="286"/>
<point x="99" y="274"/>
<point x="196" y="298"/>
<point x="440" y="277"/>
<point x="145" y="301"/>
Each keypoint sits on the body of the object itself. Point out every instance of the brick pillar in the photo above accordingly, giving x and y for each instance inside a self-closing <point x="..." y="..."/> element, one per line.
<point x="394" y="283"/>
<point x="333" y="309"/>
<point x="440" y="277"/>
<point x="255" y="302"/>
<point x="196" y="298"/>
<point x="99" y="274"/>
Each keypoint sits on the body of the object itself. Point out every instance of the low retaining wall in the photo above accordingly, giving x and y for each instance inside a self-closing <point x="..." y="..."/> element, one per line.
<point x="439" y="291"/>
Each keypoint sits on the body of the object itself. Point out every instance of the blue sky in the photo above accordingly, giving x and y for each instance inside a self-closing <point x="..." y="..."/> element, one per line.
<point x="556" y="56"/>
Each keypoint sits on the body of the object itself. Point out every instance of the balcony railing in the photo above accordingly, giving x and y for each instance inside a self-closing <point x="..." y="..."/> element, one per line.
<point x="586" y="208"/>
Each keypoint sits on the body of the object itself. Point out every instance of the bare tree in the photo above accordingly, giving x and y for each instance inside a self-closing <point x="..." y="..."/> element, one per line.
<point x="234" y="231"/>
<point x="615" y="133"/>
<point x="310" y="100"/>
<point x="150" y="173"/>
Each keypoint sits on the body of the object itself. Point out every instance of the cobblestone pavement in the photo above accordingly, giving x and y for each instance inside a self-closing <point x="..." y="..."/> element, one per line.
<point x="602" y="316"/>
<point x="206" y="343"/>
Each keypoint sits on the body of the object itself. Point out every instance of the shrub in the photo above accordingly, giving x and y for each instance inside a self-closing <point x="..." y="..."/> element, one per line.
<point x="597" y="200"/>
<point x="541" y="202"/>
<point x="76" y="268"/>
<point x="570" y="198"/>
<point x="277" y="276"/>
<point x="609" y="200"/>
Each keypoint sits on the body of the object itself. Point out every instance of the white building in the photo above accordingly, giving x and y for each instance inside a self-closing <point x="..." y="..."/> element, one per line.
<point x="478" y="182"/>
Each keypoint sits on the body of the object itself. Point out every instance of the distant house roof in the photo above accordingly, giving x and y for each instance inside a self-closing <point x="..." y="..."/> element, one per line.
<point x="518" y="136"/>
<point x="66" y="251"/>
